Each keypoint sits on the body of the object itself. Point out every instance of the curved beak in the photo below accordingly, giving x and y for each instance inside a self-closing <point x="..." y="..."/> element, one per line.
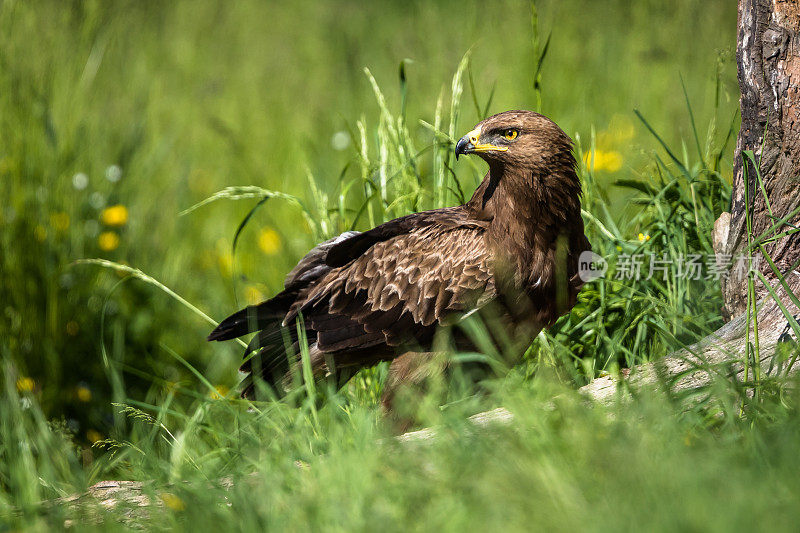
<point x="464" y="146"/>
<point x="469" y="144"/>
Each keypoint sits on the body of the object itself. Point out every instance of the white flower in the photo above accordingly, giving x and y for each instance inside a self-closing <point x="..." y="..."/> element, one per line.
<point x="97" y="200"/>
<point x="113" y="173"/>
<point x="80" y="181"/>
<point x="340" y="140"/>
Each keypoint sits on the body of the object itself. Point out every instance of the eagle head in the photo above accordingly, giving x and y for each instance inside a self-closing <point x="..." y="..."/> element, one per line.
<point x="518" y="138"/>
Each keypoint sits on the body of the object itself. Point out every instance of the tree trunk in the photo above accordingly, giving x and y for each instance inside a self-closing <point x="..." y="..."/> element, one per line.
<point x="768" y="58"/>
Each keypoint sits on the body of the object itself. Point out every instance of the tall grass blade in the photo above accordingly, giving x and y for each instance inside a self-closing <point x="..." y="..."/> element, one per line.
<point x="662" y="143"/>
<point x="138" y="274"/>
<point x="694" y="126"/>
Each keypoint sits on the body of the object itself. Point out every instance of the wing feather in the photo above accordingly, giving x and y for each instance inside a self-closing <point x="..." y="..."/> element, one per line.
<point x="363" y="294"/>
<point x="399" y="288"/>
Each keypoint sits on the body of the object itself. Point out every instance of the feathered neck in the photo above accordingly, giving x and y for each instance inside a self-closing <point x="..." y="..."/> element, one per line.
<point x="527" y="211"/>
<point x="528" y="201"/>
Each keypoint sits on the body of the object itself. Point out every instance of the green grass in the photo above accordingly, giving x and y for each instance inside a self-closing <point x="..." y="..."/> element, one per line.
<point x="269" y="114"/>
<point x="558" y="466"/>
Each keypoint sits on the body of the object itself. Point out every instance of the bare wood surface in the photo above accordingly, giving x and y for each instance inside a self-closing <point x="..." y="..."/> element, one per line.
<point x="720" y="354"/>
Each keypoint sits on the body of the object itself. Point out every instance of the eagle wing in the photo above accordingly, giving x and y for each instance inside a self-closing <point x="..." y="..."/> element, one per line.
<point x="363" y="294"/>
<point x="398" y="289"/>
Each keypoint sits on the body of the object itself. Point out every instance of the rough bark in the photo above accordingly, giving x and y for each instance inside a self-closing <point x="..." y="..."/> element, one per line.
<point x="768" y="59"/>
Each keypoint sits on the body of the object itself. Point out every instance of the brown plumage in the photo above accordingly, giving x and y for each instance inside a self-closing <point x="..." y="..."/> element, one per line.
<point x="368" y="297"/>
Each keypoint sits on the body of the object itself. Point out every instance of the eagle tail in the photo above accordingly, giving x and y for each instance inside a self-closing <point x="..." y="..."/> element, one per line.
<point x="275" y="348"/>
<point x="270" y="352"/>
<point x="253" y="318"/>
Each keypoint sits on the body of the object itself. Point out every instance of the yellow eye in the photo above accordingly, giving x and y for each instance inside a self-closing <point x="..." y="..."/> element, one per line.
<point x="510" y="134"/>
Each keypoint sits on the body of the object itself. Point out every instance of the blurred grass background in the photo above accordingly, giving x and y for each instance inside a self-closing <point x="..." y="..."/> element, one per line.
<point x="116" y="117"/>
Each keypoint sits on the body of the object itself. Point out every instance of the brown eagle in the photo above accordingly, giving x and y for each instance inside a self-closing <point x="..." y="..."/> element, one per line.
<point x="382" y="294"/>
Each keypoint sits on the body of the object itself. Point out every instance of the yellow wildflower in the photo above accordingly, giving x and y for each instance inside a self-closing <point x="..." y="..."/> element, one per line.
<point x="83" y="393"/>
<point x="643" y="237"/>
<point x="224" y="256"/>
<point x="219" y="392"/>
<point x="173" y="502"/>
<point x="108" y="241"/>
<point x="226" y="263"/>
<point x="619" y="131"/>
<point x="609" y="160"/>
<point x="40" y="232"/>
<point x="253" y="295"/>
<point x="93" y="435"/>
<point x="59" y="221"/>
<point x="269" y="241"/>
<point x="115" y="216"/>
<point x="25" y="384"/>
